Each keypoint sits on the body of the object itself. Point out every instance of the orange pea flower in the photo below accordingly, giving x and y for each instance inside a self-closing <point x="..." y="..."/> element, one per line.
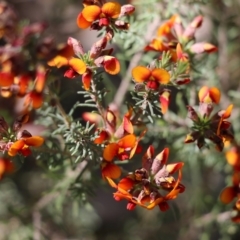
<point x="103" y="14"/>
<point x="86" y="63"/>
<point x="120" y="142"/>
<point x="172" y="32"/>
<point x="35" y="97"/>
<point x="165" y="30"/>
<point x="97" y="15"/>
<point x="22" y="146"/>
<point x="209" y="95"/>
<point x="152" y="77"/>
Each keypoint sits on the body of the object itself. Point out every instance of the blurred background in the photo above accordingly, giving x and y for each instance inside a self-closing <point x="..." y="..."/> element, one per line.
<point x="36" y="203"/>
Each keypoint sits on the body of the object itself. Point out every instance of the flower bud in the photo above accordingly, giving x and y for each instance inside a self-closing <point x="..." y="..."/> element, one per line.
<point x="122" y="25"/>
<point x="192" y="114"/>
<point x="203" y="47"/>
<point x="205" y="109"/>
<point x="97" y="47"/>
<point x="126" y="9"/>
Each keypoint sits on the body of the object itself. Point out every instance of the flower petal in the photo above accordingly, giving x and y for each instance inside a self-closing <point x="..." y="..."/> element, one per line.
<point x="15" y="147"/>
<point x="141" y="73"/>
<point x="91" y="117"/>
<point x="236" y="179"/>
<point x="161" y="75"/>
<point x="156" y="45"/>
<point x="58" y="61"/>
<point x="34" y="98"/>
<point x="6" y="79"/>
<point x="111" y="118"/>
<point x="227" y="195"/>
<point x="180" y="54"/>
<point x="111" y="9"/>
<point x="111" y="182"/>
<point x="6" y="166"/>
<point x="103" y="136"/>
<point x="209" y="95"/>
<point x="111" y="170"/>
<point x="82" y="22"/>
<point x="78" y="65"/>
<point x="110" y="151"/>
<point x="86" y="80"/>
<point x="111" y="65"/>
<point x="202" y="47"/>
<point x="127" y="125"/>
<point x="228" y="112"/>
<point x="25" y="151"/>
<point x="127" y="142"/>
<point x="125" y="184"/>
<point x="35" y="141"/>
<point x="232" y="157"/>
<point x="91" y="13"/>
<point x="40" y="78"/>
<point x="173" y="167"/>
<point x="160" y="160"/>
<point x="164" y="100"/>
<point x="163" y="206"/>
<point x="147" y="158"/>
<point x="215" y="94"/>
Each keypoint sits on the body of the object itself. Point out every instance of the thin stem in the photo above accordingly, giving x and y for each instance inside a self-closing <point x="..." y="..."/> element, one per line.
<point x="95" y="98"/>
<point x="60" y="108"/>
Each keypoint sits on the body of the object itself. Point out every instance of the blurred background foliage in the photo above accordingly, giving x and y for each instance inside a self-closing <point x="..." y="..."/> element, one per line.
<point x="52" y="201"/>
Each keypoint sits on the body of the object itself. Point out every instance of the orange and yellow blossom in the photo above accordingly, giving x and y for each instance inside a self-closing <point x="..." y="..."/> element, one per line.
<point x="146" y="186"/>
<point x="87" y="63"/>
<point x="209" y="95"/>
<point x="22" y="145"/>
<point x="93" y="12"/>
<point x="97" y="15"/>
<point x="172" y="32"/>
<point x="154" y="79"/>
<point x="120" y="142"/>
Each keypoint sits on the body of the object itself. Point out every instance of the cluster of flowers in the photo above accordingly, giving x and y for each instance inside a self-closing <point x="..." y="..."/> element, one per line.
<point x="179" y="43"/>
<point x="153" y="184"/>
<point x="179" y="40"/>
<point x="87" y="64"/>
<point x="144" y="186"/>
<point x="23" y="57"/>
<point x="23" y="73"/>
<point x="15" y="140"/>
<point x="216" y="128"/>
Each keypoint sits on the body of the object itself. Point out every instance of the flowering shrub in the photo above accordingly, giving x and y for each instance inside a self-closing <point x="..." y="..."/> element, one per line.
<point x="113" y="138"/>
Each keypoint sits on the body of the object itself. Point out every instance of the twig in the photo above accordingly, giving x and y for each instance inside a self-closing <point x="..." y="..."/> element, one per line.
<point x="123" y="88"/>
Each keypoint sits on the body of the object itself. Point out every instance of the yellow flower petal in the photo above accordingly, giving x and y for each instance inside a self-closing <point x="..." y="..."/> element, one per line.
<point x="78" y="65"/>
